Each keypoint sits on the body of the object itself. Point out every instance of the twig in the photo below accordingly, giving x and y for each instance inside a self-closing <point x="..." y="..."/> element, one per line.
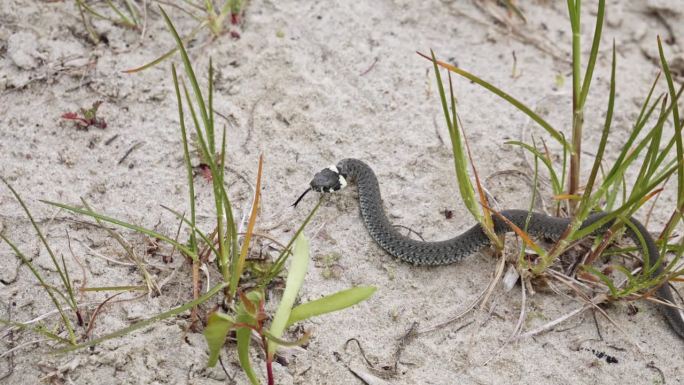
<point x="12" y="350"/>
<point x="550" y="325"/>
<point x="495" y="280"/>
<point x="110" y="140"/>
<point x="91" y="323"/>
<point x="411" y="231"/>
<point x="459" y="315"/>
<point x="518" y="325"/>
<point x="369" y="68"/>
<point x="598" y="328"/>
<point x="130" y="150"/>
<point x="651" y="365"/>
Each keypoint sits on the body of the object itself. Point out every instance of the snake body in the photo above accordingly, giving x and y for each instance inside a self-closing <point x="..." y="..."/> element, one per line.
<point x="474" y="239"/>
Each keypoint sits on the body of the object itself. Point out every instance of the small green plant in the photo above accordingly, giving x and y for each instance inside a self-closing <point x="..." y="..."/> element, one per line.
<point x="126" y="15"/>
<point x="86" y="117"/>
<point x="250" y="316"/>
<point x="243" y="309"/>
<point x="657" y="160"/>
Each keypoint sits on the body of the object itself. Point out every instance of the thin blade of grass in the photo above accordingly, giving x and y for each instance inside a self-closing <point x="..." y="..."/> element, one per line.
<point x="488" y="223"/>
<point x="579" y="234"/>
<point x="555" y="183"/>
<point x="280" y="261"/>
<point x="91" y="11"/>
<point x="678" y="138"/>
<point x="129" y="226"/>
<point x="191" y="75"/>
<point x="147" y="322"/>
<point x="594" y="52"/>
<point x="67" y="285"/>
<point x="48" y="288"/>
<point x="465" y="186"/>
<point x="231" y="245"/>
<point x="115" y="288"/>
<point x="186" y="158"/>
<point x="35" y="329"/>
<point x="169" y="53"/>
<point x="122" y="18"/>
<point x="586" y="204"/>
<point x="510" y="99"/>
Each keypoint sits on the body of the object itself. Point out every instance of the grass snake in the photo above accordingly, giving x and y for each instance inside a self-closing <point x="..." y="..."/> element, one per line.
<point x="452" y="250"/>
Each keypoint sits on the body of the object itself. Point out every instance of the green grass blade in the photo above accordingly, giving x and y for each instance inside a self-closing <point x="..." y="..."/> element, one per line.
<point x="48" y="289"/>
<point x="330" y="303"/>
<point x="215" y="333"/>
<point x="280" y="261"/>
<point x="147" y="322"/>
<point x="191" y="75"/>
<point x="91" y="11"/>
<point x="678" y="139"/>
<point x="510" y="99"/>
<point x="116" y="288"/>
<point x="62" y="275"/>
<point x="295" y="280"/>
<point x="465" y="186"/>
<point x="604" y="278"/>
<point x="643" y="115"/>
<point x="627" y="205"/>
<point x="244" y="334"/>
<point x="585" y="205"/>
<point x="122" y="18"/>
<point x="35" y="329"/>
<point x="230" y="242"/>
<point x="555" y="183"/>
<point x="188" y="162"/>
<point x="133" y="12"/>
<point x="169" y="53"/>
<point x="211" y="105"/>
<point x="194" y="228"/>
<point x="594" y="52"/>
<point x="129" y="226"/>
<point x="649" y="164"/>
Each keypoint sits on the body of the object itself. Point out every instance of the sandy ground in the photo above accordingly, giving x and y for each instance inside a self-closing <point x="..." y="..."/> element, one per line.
<point x="306" y="84"/>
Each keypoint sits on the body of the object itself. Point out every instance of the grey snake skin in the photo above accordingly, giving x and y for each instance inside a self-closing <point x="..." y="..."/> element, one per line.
<point x="474" y="239"/>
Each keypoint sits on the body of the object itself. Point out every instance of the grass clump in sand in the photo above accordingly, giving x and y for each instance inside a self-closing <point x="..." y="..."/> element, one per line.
<point x="657" y="159"/>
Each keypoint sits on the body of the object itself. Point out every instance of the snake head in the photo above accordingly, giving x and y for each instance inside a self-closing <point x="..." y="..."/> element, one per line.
<point x="328" y="180"/>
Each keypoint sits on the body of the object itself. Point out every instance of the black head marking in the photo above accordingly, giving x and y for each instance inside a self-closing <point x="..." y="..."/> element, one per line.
<point x="328" y="180"/>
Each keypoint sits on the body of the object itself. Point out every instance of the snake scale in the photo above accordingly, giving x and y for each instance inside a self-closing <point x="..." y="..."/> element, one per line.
<point x="452" y="250"/>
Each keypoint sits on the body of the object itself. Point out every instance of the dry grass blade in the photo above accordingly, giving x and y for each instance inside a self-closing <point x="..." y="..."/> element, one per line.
<point x="549" y="325"/>
<point x="522" y="234"/>
<point x="239" y="263"/>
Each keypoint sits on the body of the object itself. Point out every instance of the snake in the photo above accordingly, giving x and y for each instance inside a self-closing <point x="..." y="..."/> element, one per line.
<point x="337" y="177"/>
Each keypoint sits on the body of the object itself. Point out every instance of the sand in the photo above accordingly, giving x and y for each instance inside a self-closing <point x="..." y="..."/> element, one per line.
<point x="307" y="84"/>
